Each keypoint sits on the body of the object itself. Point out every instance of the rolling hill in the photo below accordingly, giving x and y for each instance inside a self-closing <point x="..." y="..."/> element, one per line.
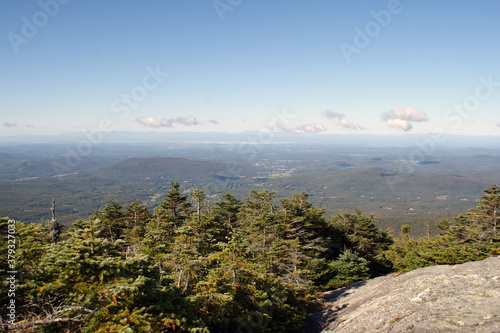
<point x="78" y="194"/>
<point x="337" y="182"/>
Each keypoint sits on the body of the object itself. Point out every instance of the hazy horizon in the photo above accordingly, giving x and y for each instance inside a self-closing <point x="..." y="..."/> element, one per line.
<point x="96" y="138"/>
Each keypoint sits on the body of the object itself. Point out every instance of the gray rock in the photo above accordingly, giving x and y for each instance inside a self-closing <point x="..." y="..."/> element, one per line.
<point x="458" y="298"/>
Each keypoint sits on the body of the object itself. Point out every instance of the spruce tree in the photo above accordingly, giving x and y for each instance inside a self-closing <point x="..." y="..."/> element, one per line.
<point x="198" y="195"/>
<point x="106" y="290"/>
<point x="225" y="216"/>
<point x="362" y="234"/>
<point x="487" y="214"/>
<point x="112" y="222"/>
<point x="137" y="216"/>
<point x="347" y="269"/>
<point x="466" y="237"/>
<point x="176" y="208"/>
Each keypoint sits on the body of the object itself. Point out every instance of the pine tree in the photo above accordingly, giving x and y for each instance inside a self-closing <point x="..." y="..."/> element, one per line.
<point x="347" y="269"/>
<point x="160" y="233"/>
<point x="198" y="195"/>
<point x="176" y="208"/>
<point x="106" y="290"/>
<point x="112" y="222"/>
<point x="225" y="216"/>
<point x="137" y="216"/>
<point x="487" y="214"/>
<point x="303" y="238"/>
<point x="467" y="237"/>
<point x="305" y="222"/>
<point x="185" y="260"/>
<point x="361" y="234"/>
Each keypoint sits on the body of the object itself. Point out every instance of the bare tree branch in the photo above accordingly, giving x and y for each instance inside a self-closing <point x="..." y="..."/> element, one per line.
<point x="51" y="318"/>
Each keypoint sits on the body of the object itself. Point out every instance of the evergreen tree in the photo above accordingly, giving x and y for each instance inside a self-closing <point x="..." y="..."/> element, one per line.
<point x="112" y="222"/>
<point x="137" y="216"/>
<point x="469" y="237"/>
<point x="241" y="266"/>
<point x="487" y="214"/>
<point x="175" y="209"/>
<point x="256" y="219"/>
<point x="198" y="195"/>
<point x="161" y="231"/>
<point x="361" y="233"/>
<point x="305" y="223"/>
<point x="225" y="216"/>
<point x="347" y="269"/>
<point x="304" y="237"/>
<point x="185" y="261"/>
<point x="105" y="290"/>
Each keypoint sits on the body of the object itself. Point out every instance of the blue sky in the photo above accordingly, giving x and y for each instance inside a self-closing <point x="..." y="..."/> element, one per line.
<point x="360" y="67"/>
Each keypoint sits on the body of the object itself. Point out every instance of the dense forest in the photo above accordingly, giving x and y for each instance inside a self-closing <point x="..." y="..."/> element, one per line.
<point x="234" y="266"/>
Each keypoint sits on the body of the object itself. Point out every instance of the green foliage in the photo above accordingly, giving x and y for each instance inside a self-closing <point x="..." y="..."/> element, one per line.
<point x="175" y="209"/>
<point x="347" y="269"/>
<point x="87" y="274"/>
<point x="237" y="266"/>
<point x="137" y="216"/>
<point x="26" y="245"/>
<point x="361" y="233"/>
<point x="111" y="223"/>
<point x="225" y="214"/>
<point x="405" y="230"/>
<point x="487" y="214"/>
<point x="469" y="237"/>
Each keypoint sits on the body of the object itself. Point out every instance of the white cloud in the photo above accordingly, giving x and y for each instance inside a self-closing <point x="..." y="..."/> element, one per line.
<point x="348" y="125"/>
<point x="9" y="125"/>
<point x="153" y="122"/>
<point x="185" y="121"/>
<point x="312" y="128"/>
<point x="332" y="114"/>
<point x="301" y="129"/>
<point x="402" y="117"/>
<point x="283" y="129"/>
<point x="400" y="123"/>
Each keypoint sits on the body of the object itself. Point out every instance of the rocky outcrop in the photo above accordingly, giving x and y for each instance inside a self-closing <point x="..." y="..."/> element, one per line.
<point x="459" y="298"/>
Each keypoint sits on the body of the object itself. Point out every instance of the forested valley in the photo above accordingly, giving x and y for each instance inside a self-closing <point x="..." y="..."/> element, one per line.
<point x="234" y="266"/>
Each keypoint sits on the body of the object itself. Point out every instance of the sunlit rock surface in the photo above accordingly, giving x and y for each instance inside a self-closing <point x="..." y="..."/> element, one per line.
<point x="459" y="298"/>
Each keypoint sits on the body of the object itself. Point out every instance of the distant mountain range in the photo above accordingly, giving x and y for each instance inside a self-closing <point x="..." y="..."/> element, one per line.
<point x="337" y="177"/>
<point x="394" y="140"/>
<point x="172" y="168"/>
